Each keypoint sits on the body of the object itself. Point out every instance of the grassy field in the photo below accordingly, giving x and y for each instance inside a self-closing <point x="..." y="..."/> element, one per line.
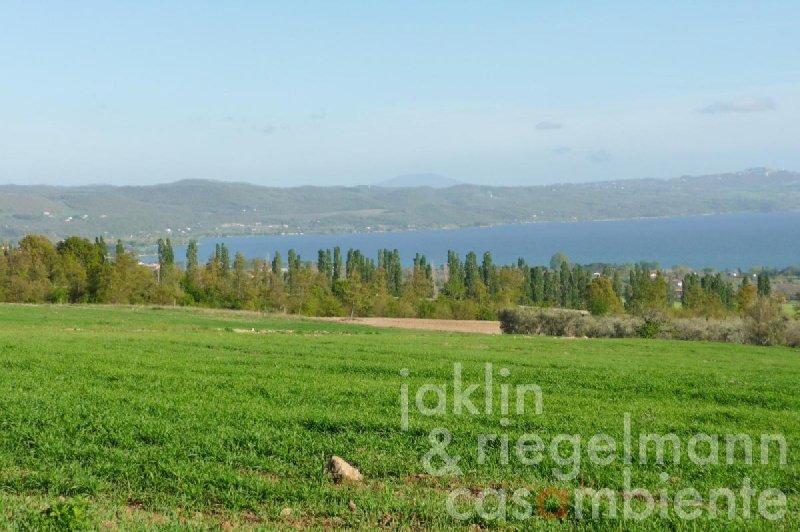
<point x="153" y="418"/>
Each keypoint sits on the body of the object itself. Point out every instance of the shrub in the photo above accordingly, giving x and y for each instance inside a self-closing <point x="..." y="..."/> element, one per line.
<point x="562" y="322"/>
<point x="600" y="297"/>
<point x="792" y="335"/>
<point x="709" y="330"/>
<point x="654" y="324"/>
<point x="441" y="309"/>
<point x="624" y="328"/>
<point x="609" y="327"/>
<point x="425" y="308"/>
<point x="465" y="310"/>
<point x="766" y="322"/>
<point x="551" y="322"/>
<point x="512" y="321"/>
<point x="763" y="327"/>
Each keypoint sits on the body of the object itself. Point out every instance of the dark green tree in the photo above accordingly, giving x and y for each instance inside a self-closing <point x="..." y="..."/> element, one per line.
<point x="454" y="286"/>
<point x="567" y="284"/>
<point x="277" y="265"/>
<point x="325" y="264"/>
<point x="337" y="264"/>
<point x="166" y="256"/>
<point x="488" y="273"/>
<point x="191" y="277"/>
<point x="224" y="260"/>
<point x="763" y="284"/>
<point x="472" y="279"/>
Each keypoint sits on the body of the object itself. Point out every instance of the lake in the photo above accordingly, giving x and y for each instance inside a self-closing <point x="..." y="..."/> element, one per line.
<point x="719" y="241"/>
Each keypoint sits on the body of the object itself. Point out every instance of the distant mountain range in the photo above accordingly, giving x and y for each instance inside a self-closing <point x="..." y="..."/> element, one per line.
<point x="420" y="180"/>
<point x="202" y="208"/>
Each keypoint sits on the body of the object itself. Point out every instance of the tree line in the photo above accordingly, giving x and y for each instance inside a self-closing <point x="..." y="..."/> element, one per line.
<point x="337" y="283"/>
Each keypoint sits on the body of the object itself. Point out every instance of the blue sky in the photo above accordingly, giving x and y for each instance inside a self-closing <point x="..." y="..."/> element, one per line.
<point x="287" y="93"/>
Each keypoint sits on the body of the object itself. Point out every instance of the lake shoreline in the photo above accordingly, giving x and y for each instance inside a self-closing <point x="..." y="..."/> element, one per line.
<point x="725" y="241"/>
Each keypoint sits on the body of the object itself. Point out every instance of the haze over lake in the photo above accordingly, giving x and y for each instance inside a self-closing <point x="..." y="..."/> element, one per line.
<point x="719" y="241"/>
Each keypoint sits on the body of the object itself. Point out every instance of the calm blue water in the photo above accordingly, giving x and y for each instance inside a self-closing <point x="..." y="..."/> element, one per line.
<point x="720" y="241"/>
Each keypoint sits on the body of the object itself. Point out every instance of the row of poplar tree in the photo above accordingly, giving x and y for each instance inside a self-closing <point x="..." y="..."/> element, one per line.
<point x="77" y="270"/>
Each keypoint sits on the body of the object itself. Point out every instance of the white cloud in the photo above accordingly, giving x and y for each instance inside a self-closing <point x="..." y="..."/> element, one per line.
<point x="745" y="105"/>
<point x="546" y="126"/>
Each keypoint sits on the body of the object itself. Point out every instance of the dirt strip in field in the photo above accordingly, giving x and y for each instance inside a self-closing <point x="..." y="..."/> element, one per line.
<point x="469" y="326"/>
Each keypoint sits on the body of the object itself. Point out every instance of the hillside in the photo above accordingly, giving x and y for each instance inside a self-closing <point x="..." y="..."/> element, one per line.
<point x="201" y="208"/>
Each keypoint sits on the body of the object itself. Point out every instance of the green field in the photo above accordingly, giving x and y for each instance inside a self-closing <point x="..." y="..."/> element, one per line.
<point x="149" y="418"/>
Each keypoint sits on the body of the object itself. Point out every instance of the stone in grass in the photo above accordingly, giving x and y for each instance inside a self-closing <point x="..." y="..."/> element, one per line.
<point x="341" y="471"/>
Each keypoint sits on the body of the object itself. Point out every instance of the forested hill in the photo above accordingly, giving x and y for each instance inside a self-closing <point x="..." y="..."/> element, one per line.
<point x="202" y="208"/>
